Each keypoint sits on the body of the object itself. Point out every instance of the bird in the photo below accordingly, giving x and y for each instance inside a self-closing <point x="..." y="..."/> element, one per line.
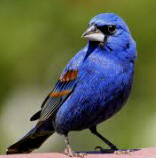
<point x="93" y="86"/>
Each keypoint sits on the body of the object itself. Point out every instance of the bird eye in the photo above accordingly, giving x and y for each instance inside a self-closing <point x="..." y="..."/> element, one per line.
<point x="107" y="29"/>
<point x="111" y="29"/>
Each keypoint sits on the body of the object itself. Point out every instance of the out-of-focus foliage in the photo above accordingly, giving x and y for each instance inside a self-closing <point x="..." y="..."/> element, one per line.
<point x="37" y="38"/>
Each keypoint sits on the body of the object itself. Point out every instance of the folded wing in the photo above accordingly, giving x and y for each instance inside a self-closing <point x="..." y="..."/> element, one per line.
<point x="62" y="90"/>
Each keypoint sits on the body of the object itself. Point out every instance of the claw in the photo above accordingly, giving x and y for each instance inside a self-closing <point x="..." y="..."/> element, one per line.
<point x="69" y="152"/>
<point x="125" y="151"/>
<point x="120" y="152"/>
<point x="102" y="150"/>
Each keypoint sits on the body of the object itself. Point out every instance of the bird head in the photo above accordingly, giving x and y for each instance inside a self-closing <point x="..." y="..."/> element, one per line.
<point x="110" y="31"/>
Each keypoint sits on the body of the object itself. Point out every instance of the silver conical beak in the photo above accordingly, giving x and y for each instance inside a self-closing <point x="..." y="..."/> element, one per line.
<point x="93" y="34"/>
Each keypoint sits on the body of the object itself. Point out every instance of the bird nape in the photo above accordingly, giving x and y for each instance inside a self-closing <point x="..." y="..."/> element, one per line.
<point x="94" y="85"/>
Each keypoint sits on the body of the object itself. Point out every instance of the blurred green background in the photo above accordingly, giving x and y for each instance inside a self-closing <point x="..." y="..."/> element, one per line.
<point x="37" y="38"/>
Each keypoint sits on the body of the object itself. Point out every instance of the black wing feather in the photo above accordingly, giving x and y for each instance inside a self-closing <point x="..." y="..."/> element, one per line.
<point x="62" y="90"/>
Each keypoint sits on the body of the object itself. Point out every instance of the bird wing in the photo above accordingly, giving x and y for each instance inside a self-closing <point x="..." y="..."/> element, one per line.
<point x="62" y="90"/>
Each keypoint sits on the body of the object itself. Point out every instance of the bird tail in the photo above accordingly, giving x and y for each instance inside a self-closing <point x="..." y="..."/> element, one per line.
<point x="32" y="140"/>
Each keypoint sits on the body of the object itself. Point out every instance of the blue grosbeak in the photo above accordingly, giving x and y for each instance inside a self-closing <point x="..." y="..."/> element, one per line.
<point x="94" y="85"/>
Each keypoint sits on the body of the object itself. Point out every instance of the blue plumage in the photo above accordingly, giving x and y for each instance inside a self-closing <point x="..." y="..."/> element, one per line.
<point x="94" y="85"/>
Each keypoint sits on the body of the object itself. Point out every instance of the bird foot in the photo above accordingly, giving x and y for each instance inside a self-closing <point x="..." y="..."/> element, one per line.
<point x="118" y="152"/>
<point x="102" y="150"/>
<point x="125" y="151"/>
<point x="115" y="150"/>
<point x="69" y="152"/>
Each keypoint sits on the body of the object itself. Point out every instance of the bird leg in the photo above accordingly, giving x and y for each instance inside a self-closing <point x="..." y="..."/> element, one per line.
<point x="68" y="150"/>
<point x="111" y="145"/>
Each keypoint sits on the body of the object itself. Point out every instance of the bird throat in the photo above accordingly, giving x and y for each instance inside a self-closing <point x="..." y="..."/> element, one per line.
<point x="92" y="45"/>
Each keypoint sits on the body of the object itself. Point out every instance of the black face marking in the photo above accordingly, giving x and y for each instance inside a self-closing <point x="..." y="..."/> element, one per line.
<point x="107" y="29"/>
